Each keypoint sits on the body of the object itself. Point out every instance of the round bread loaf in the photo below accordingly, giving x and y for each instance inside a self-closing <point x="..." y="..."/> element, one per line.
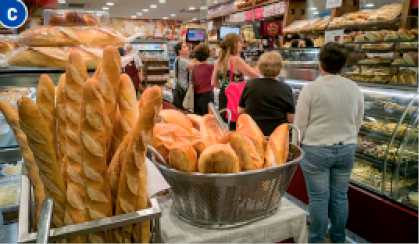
<point x="219" y="158"/>
<point x="183" y="157"/>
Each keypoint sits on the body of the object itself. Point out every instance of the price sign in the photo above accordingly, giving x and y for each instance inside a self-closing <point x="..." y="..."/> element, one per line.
<point x="279" y="8"/>
<point x="335" y="36"/>
<point x="269" y="10"/>
<point x="259" y="13"/>
<point x="333" y="3"/>
<point x="248" y="15"/>
<point x="238" y="17"/>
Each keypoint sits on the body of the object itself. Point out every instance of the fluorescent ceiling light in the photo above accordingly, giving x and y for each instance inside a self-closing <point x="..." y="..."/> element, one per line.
<point x="314" y="8"/>
<point x="61" y="1"/>
<point x="165" y="17"/>
<point x="105" y="8"/>
<point x="139" y="14"/>
<point x="316" y="12"/>
<point x="192" y="8"/>
<point x="369" y="5"/>
<point x="153" y="6"/>
<point x="162" y="1"/>
<point x="203" y="7"/>
<point x="173" y="15"/>
<point x="145" y="10"/>
<point x="194" y="19"/>
<point x="133" y="16"/>
<point x="110" y="4"/>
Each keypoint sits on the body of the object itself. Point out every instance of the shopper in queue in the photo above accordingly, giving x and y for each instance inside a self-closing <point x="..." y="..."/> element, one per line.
<point x="268" y="100"/>
<point x="229" y="56"/>
<point x="134" y="70"/>
<point x="329" y="116"/>
<point x="201" y="79"/>
<point x="182" y="67"/>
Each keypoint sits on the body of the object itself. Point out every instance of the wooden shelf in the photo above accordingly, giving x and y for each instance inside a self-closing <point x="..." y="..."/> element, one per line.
<point x="245" y="9"/>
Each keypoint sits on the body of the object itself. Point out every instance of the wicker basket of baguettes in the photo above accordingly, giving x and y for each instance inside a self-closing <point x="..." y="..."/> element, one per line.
<point x="222" y="181"/>
<point x="97" y="170"/>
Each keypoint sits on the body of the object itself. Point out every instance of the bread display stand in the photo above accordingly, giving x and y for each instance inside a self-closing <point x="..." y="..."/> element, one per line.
<point x="220" y="201"/>
<point x="26" y="221"/>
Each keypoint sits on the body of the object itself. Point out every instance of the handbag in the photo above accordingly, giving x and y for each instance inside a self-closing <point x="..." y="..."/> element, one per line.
<point x="233" y="93"/>
<point x="188" y="102"/>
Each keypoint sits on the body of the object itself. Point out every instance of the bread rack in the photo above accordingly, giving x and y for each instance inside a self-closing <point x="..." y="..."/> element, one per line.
<point x="26" y="233"/>
<point x="220" y="201"/>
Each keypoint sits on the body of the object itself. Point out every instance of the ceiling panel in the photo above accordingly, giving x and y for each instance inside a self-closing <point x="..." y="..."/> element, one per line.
<point x="127" y="8"/>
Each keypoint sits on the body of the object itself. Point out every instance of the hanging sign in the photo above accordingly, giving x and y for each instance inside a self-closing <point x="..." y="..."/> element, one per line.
<point x="259" y="13"/>
<point x="238" y="17"/>
<point x="333" y="4"/>
<point x="248" y="15"/>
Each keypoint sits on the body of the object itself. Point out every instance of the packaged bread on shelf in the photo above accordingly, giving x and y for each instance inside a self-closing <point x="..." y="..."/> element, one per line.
<point x="52" y="57"/>
<point x="72" y="37"/>
<point x="406" y="34"/>
<point x="411" y="58"/>
<point x="70" y="18"/>
<point x="8" y="43"/>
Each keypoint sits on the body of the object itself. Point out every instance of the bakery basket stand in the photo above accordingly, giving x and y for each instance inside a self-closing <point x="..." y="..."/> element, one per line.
<point x="26" y="233"/>
<point x="219" y="201"/>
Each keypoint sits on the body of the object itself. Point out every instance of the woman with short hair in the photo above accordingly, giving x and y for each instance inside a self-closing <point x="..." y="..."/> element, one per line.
<point x="201" y="79"/>
<point x="329" y="116"/>
<point x="268" y="100"/>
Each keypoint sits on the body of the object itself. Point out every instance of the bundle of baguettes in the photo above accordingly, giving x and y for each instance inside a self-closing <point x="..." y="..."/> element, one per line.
<point x="243" y="150"/>
<point x="67" y="142"/>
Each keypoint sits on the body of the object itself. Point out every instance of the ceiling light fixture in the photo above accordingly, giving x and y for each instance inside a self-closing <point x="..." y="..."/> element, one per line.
<point x="316" y="12"/>
<point x="162" y="1"/>
<point x="191" y="8"/>
<point x="194" y="19"/>
<point x="110" y="4"/>
<point x="153" y="6"/>
<point x="145" y="10"/>
<point x="314" y="8"/>
<point x="139" y="14"/>
<point x="215" y="1"/>
<point x="203" y="7"/>
<point x="173" y="15"/>
<point x="165" y="17"/>
<point x="61" y="1"/>
<point x="105" y="8"/>
<point x="133" y="16"/>
<point x="369" y="5"/>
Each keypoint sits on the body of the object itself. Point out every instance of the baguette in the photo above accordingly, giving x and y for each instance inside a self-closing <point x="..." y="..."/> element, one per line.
<point x="405" y="34"/>
<point x="98" y="202"/>
<point x="45" y="100"/>
<point x="219" y="158"/>
<point x="211" y="131"/>
<point x="76" y="76"/>
<point x="248" y="127"/>
<point x="183" y="157"/>
<point x="53" y="57"/>
<point x="127" y="111"/>
<point x="70" y="37"/>
<point x="114" y="169"/>
<point x="411" y="58"/>
<point x="132" y="191"/>
<point x="39" y="140"/>
<point x="278" y="147"/>
<point x="109" y="78"/>
<point x="6" y="47"/>
<point x="61" y="123"/>
<point x="175" y="117"/>
<point x="12" y="117"/>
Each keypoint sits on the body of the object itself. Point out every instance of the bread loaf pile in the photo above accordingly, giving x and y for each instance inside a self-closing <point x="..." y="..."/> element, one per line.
<point x="51" y="46"/>
<point x="213" y="152"/>
<point x="85" y="145"/>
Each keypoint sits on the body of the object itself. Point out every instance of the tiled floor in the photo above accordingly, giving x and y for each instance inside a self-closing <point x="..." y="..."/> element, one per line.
<point x="350" y="236"/>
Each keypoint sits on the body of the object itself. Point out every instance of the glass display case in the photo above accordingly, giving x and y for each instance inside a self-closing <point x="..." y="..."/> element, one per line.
<point x="387" y="149"/>
<point x="300" y="63"/>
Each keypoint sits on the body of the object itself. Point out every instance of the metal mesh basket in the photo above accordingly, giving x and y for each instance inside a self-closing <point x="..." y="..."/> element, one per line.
<point x="229" y="200"/>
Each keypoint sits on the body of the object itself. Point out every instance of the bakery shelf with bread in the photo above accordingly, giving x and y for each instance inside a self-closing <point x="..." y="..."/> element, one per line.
<point x="156" y="70"/>
<point x="71" y="18"/>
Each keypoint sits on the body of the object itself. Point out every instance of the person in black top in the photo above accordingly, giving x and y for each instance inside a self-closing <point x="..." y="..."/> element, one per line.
<point x="270" y="102"/>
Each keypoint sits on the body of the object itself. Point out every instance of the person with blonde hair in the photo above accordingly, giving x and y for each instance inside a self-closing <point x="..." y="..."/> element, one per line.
<point x="268" y="100"/>
<point x="230" y="68"/>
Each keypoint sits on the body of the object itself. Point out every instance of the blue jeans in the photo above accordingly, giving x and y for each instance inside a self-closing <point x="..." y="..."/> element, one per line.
<point x="327" y="170"/>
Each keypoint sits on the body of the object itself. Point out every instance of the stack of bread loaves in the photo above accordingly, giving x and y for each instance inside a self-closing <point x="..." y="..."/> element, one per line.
<point x="213" y="152"/>
<point x="80" y="171"/>
<point x="51" y="46"/>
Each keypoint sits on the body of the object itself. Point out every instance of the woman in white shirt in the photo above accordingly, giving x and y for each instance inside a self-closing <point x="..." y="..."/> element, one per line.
<point x="329" y="115"/>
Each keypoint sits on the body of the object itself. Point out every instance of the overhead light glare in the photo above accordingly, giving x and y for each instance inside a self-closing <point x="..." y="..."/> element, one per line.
<point x="172" y="15"/>
<point x="165" y="17"/>
<point x="191" y="8"/>
<point x="105" y="8"/>
<point x="145" y="10"/>
<point x="203" y="7"/>
<point x="162" y="1"/>
<point x="316" y="12"/>
<point x="369" y="5"/>
<point x="139" y="14"/>
<point x="110" y="4"/>
<point x="61" y="1"/>
<point x="133" y="16"/>
<point x="153" y="6"/>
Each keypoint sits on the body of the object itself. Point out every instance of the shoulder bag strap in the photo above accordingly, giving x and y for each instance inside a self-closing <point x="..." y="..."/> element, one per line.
<point x="177" y="68"/>
<point x="231" y="70"/>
